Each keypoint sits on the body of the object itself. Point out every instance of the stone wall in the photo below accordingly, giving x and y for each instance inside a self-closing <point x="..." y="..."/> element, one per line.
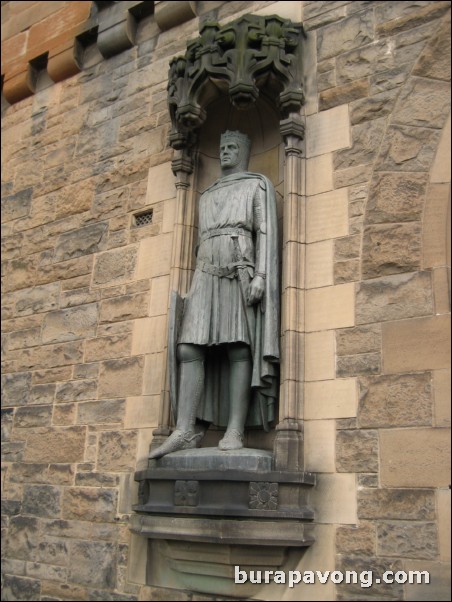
<point x="85" y="292"/>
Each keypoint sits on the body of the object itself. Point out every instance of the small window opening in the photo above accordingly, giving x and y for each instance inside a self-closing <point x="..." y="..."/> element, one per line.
<point x="143" y="219"/>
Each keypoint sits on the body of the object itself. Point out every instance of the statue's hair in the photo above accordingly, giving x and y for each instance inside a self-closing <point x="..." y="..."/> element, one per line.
<point x="243" y="141"/>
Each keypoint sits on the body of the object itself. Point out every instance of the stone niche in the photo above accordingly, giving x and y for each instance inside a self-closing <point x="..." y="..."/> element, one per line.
<point x="205" y="511"/>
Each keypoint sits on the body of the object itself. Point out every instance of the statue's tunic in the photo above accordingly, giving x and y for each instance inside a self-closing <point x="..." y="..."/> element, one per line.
<point x="234" y="214"/>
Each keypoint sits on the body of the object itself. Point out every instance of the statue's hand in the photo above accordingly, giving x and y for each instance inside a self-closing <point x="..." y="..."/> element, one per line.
<point x="256" y="290"/>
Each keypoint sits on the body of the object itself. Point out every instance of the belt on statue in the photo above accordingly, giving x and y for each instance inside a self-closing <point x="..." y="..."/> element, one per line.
<point x="225" y="232"/>
<point x="228" y="271"/>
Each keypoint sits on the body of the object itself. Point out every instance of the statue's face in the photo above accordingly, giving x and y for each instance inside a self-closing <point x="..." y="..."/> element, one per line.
<point x="229" y="154"/>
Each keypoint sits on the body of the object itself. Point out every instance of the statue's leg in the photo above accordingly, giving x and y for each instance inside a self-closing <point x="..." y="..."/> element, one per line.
<point x="191" y="386"/>
<point x="240" y="371"/>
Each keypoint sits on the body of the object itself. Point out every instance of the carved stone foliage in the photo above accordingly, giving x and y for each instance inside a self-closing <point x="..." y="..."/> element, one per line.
<point x="243" y="57"/>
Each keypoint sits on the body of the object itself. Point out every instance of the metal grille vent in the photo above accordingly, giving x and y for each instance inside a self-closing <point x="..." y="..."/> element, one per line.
<point x="143" y="219"/>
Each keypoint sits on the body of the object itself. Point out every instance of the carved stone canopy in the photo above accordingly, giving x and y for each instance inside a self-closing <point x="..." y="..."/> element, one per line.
<point x="250" y="56"/>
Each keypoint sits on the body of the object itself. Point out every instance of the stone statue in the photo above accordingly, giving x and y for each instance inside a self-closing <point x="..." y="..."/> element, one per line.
<point x="228" y="344"/>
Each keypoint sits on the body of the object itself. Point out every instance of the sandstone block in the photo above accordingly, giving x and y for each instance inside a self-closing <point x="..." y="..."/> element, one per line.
<point x="340" y="37"/>
<point x="107" y="348"/>
<point x="90" y="504"/>
<point x="436" y="223"/>
<point x="357" y="451"/>
<point x="334" y="499"/>
<point x="418" y="344"/>
<point x="20" y="588"/>
<point x="152" y="381"/>
<point x="24" y="338"/>
<point x="366" y="61"/>
<point x="96" y="479"/>
<point x="399" y="400"/>
<point x="56" y="445"/>
<point x="93" y="563"/>
<point x="154" y="256"/>
<point x="391" y="248"/>
<point x="101" y="412"/>
<point x="439" y="585"/>
<point x="343" y="94"/>
<point x="84" y="241"/>
<point x="403" y="504"/>
<point x="69" y="324"/>
<point x="442" y="394"/>
<point x="361" y="339"/>
<point x="443" y="503"/>
<point x="42" y="394"/>
<point x="366" y="138"/>
<point x="347" y="247"/>
<point x="319" y="448"/>
<point x="394" y="298"/>
<point x="373" y="107"/>
<point x="120" y="378"/>
<point x="114" y="267"/>
<point x="117" y="451"/>
<point x="423" y="102"/>
<point x="142" y="411"/>
<point x="407" y="148"/>
<point x="50" y="474"/>
<point x="7" y="423"/>
<point x="149" y="335"/>
<point x="347" y="271"/>
<point x="412" y="18"/>
<point x="363" y="363"/>
<point x="330" y="399"/>
<point x="330" y="307"/>
<point x="356" y="541"/>
<point x="378" y="566"/>
<point x="76" y="390"/>
<point x="388" y="80"/>
<point x="124" y="307"/>
<point x="434" y="61"/>
<point x="15" y="206"/>
<point x="86" y="371"/>
<point x="12" y="451"/>
<point x="33" y="416"/>
<point x="407" y="539"/>
<point x="64" y="414"/>
<point x="319" y="262"/>
<point x="396" y="197"/>
<point x="42" y="500"/>
<point x="15" y="388"/>
<point x="417" y="457"/>
<point x="319" y="360"/>
<point x="328" y="131"/>
<point x="352" y="176"/>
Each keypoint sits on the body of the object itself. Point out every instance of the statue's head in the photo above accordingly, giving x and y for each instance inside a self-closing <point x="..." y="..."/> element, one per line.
<point x="235" y="149"/>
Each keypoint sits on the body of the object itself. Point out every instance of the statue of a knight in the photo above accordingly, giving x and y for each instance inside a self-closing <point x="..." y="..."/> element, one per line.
<point x="228" y="342"/>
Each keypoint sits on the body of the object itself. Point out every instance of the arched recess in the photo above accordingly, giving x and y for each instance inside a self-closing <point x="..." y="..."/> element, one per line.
<point x="246" y="75"/>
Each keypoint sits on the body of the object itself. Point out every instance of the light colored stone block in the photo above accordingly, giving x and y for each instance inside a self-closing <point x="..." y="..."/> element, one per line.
<point x="442" y="397"/>
<point x="330" y="307"/>
<point x="161" y="184"/>
<point x="319" y="445"/>
<point x="440" y="171"/>
<point x="138" y="554"/>
<point x="152" y="380"/>
<point x="319" y="174"/>
<point x="334" y="499"/>
<point x="154" y="257"/>
<point x="327" y="215"/>
<point x="142" y="411"/>
<point x="418" y="344"/>
<point x="319" y="264"/>
<point x="438" y="587"/>
<point x="415" y="457"/>
<point x="159" y="296"/>
<point x="435" y="227"/>
<point x="320" y="355"/>
<point x="149" y="335"/>
<point x="331" y="399"/>
<point x="286" y="10"/>
<point x="328" y="131"/>
<point x="144" y="441"/>
<point x="169" y="215"/>
<point x="441" y="290"/>
<point x="444" y="523"/>
<point x="292" y="308"/>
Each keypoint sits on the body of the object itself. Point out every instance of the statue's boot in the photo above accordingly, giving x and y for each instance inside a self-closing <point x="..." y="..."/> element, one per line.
<point x="186" y="436"/>
<point x="240" y="371"/>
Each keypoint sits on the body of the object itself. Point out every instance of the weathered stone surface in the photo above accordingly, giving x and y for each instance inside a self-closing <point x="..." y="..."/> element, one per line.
<point x="24" y="338"/>
<point x="42" y="394"/>
<point x="7" y="423"/>
<point x="90" y="239"/>
<point x="374" y="107"/>
<point x="404" y="400"/>
<point x="407" y="149"/>
<point x="396" y="197"/>
<point x="362" y="339"/>
<point x="90" y="504"/>
<point x="107" y="348"/>
<point x="356" y="541"/>
<point x="101" y="412"/>
<point x="76" y="390"/>
<point x="20" y="588"/>
<point x="347" y="271"/>
<point x="111" y="203"/>
<point x="64" y="414"/>
<point x="93" y="563"/>
<point x="366" y="138"/>
<point x="12" y="451"/>
<point x="394" y="297"/>
<point x="69" y="324"/>
<point x="117" y="451"/>
<point x="423" y="102"/>
<point x="391" y="248"/>
<point x="113" y="267"/>
<point x="371" y="60"/>
<point x="390" y="79"/>
<point x="52" y="375"/>
<point x="52" y="474"/>
<point x="403" y="504"/>
<point x="16" y="205"/>
<point x="382" y="591"/>
<point x="357" y="451"/>
<point x="121" y="378"/>
<point x="352" y="175"/>
<point x="436" y="226"/>
<point x="23" y="537"/>
<point x="16" y="388"/>
<point x="363" y="363"/>
<point x="340" y="95"/>
<point x="416" y="457"/>
<point x="96" y="479"/>
<point x="42" y="500"/>
<point x="439" y="585"/>
<point x="434" y="61"/>
<point x="407" y="539"/>
<point x="79" y="296"/>
<point x="33" y="416"/>
<point x="125" y="307"/>
<point x="367" y="480"/>
<point x="326" y="80"/>
<point x="340" y="37"/>
<point x="391" y="20"/>
<point x="347" y="247"/>
<point x="56" y="445"/>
